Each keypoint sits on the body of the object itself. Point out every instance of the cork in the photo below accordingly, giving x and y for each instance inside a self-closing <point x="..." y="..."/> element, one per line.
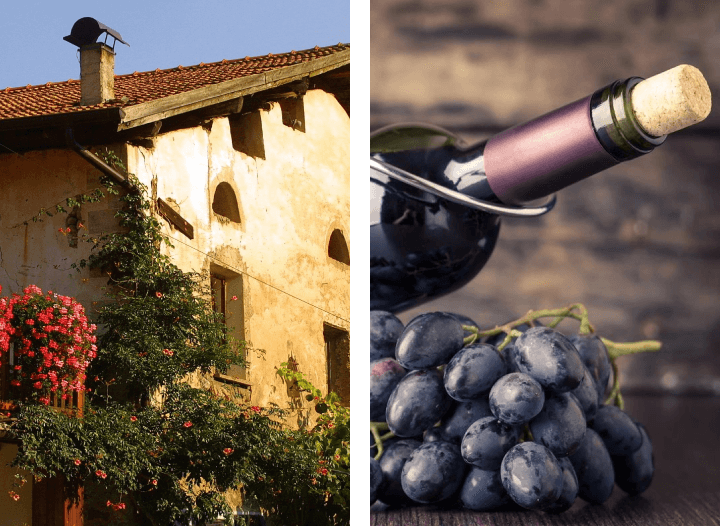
<point x="671" y="101"/>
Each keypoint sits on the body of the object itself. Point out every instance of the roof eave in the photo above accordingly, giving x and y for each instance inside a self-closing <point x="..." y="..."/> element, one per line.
<point x="47" y="131"/>
<point x="172" y="105"/>
<point x="53" y="120"/>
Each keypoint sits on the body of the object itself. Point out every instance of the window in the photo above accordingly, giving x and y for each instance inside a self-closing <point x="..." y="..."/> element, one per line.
<point x="227" y="300"/>
<point x="337" y="247"/>
<point x="225" y="203"/>
<point x="337" y="349"/>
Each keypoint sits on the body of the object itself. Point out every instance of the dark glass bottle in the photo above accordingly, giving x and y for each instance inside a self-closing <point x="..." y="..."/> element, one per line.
<point x="436" y="203"/>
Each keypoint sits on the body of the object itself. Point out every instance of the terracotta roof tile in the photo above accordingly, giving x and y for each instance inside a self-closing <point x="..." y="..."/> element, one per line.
<point x="136" y="88"/>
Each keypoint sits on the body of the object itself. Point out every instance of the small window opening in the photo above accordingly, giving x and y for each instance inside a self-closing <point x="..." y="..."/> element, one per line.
<point x="225" y="203"/>
<point x="337" y="350"/>
<point x="337" y="248"/>
<point x="227" y="300"/>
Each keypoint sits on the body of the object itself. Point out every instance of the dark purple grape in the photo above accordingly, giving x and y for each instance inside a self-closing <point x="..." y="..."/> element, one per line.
<point x="532" y="476"/>
<point x="461" y="416"/>
<point x="429" y="340"/>
<point x="569" y="490"/>
<point x="560" y="426"/>
<point x="587" y="394"/>
<point x="486" y="442"/>
<point x="516" y="398"/>
<point x="595" y="356"/>
<point x="376" y="480"/>
<point x="385" y="329"/>
<point x="385" y="374"/>
<point x="433" y="434"/>
<point x="508" y="354"/>
<point x="617" y="430"/>
<point x="418" y="402"/>
<point x="433" y="473"/>
<point x="473" y="371"/>
<point x="634" y="472"/>
<point x="483" y="490"/>
<point x="594" y="469"/>
<point x="391" y="462"/>
<point x="548" y="356"/>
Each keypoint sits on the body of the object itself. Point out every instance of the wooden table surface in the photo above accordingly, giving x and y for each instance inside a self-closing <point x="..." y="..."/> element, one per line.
<point x="685" y="488"/>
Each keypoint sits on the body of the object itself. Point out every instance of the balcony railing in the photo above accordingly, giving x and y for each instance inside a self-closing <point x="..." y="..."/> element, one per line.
<point x="72" y="405"/>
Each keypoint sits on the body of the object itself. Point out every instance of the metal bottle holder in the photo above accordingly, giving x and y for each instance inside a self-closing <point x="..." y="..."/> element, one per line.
<point x="428" y="239"/>
<point x="458" y="197"/>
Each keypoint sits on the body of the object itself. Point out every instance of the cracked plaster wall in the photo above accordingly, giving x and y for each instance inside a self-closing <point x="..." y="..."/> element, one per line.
<point x="290" y="202"/>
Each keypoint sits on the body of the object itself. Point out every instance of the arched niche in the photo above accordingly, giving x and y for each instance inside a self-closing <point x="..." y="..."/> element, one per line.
<point x="225" y="202"/>
<point x="337" y="247"/>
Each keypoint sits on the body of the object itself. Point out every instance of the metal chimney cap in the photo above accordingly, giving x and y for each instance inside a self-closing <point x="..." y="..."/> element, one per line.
<point x="87" y="30"/>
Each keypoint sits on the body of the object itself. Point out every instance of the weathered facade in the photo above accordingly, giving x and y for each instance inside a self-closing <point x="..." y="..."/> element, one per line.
<point x="247" y="164"/>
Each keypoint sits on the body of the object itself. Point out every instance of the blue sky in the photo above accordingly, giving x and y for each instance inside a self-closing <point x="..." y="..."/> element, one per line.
<point x="162" y="34"/>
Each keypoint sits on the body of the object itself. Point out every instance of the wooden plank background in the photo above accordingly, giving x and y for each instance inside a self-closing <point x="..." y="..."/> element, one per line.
<point x="639" y="245"/>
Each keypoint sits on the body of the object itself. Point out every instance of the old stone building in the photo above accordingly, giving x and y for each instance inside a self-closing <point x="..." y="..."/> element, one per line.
<point x="247" y="163"/>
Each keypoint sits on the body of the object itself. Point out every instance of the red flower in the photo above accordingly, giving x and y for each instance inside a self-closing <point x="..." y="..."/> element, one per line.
<point x="77" y="461"/>
<point x="187" y="424"/>
<point x="234" y="298"/>
<point x="168" y="352"/>
<point x="100" y="473"/>
<point x="153" y="482"/>
<point x="14" y="496"/>
<point x="323" y="471"/>
<point x="159" y="294"/>
<point x="37" y="385"/>
<point x="133" y="418"/>
<point x="255" y="408"/>
<point x="228" y="451"/>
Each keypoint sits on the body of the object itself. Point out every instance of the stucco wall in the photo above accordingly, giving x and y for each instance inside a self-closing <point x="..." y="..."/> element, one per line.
<point x="290" y="202"/>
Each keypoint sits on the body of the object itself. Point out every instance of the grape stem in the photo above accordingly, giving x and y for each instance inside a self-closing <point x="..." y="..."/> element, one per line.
<point x="376" y="428"/>
<point x="576" y="311"/>
<point x="615" y="397"/>
<point x="530" y="318"/>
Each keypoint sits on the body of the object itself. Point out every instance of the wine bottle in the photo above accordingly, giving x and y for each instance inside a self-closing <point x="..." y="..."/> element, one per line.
<point x="436" y="202"/>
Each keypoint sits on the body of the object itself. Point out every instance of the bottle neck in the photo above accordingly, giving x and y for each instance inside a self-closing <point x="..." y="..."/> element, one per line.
<point x="535" y="159"/>
<point x="615" y="124"/>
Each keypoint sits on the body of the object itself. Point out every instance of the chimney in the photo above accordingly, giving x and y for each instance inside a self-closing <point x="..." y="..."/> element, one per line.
<point x="97" y="74"/>
<point x="97" y="60"/>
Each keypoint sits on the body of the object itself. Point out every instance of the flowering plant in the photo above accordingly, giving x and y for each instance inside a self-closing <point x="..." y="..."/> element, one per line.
<point x="50" y="342"/>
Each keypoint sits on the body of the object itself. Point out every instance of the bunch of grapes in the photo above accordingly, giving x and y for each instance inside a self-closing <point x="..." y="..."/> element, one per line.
<point x="516" y="414"/>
